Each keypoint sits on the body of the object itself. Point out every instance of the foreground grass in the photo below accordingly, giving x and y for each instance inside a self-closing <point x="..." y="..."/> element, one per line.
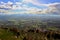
<point x="8" y="35"/>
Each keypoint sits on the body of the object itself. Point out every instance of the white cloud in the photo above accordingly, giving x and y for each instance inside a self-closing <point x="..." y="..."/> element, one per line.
<point x="19" y="7"/>
<point x="37" y="3"/>
<point x="34" y="2"/>
<point x="2" y="2"/>
<point x="18" y="3"/>
<point x="51" y="8"/>
<point x="9" y="2"/>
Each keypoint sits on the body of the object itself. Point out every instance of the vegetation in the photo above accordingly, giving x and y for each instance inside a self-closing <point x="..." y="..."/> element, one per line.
<point x="28" y="30"/>
<point x="28" y="34"/>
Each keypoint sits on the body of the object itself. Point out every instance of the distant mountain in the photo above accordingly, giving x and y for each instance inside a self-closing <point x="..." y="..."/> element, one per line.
<point x="41" y="17"/>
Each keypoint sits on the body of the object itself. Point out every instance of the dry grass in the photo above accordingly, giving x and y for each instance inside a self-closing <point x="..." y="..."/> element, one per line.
<point x="31" y="35"/>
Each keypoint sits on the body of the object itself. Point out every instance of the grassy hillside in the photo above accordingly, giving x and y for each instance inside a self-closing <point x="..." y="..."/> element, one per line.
<point x="7" y="35"/>
<point x="31" y="34"/>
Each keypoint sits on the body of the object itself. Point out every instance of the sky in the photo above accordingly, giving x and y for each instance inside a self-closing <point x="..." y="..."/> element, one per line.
<point x="30" y="6"/>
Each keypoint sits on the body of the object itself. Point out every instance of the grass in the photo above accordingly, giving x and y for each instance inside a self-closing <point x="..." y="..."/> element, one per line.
<point x="8" y="35"/>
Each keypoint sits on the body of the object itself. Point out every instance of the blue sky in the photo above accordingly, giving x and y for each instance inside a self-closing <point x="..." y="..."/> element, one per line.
<point x="49" y="1"/>
<point x="42" y="1"/>
<point x="33" y="6"/>
<point x="9" y="0"/>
